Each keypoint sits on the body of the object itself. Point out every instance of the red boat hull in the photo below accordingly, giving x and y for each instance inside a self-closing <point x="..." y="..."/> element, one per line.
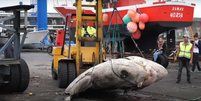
<point x="163" y="16"/>
<point x="158" y="12"/>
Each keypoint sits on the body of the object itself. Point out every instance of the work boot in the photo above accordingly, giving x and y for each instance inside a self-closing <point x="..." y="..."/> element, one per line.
<point x="178" y="81"/>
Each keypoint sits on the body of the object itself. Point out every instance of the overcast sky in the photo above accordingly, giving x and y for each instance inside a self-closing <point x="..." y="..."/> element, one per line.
<point x="51" y="3"/>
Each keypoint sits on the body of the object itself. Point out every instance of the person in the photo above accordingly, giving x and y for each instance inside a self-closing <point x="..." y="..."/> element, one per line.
<point x="197" y="46"/>
<point x="160" y="48"/>
<point x="87" y="31"/>
<point x="185" y="54"/>
<point x="9" y="51"/>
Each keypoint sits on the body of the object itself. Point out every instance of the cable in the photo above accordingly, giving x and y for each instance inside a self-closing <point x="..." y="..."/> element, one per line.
<point x="137" y="47"/>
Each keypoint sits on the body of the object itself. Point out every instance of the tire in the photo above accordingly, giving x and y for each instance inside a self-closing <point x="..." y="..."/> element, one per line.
<point x="161" y="60"/>
<point x="166" y="61"/>
<point x="24" y="75"/>
<point x="54" y="74"/>
<point x="14" y="80"/>
<point x="62" y="75"/>
<point x="72" y="74"/>
<point x="49" y="50"/>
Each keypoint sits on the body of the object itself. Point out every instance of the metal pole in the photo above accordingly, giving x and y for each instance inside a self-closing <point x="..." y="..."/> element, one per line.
<point x="64" y="35"/>
<point x="100" y="30"/>
<point x="25" y="33"/>
<point x="192" y="33"/>
<point x="78" y="34"/>
<point x="16" y="25"/>
<point x="69" y="28"/>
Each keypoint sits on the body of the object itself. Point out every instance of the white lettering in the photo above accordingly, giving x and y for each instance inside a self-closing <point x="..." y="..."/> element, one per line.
<point x="176" y="15"/>
<point x="171" y="15"/>
<point x="177" y="9"/>
<point x="181" y="15"/>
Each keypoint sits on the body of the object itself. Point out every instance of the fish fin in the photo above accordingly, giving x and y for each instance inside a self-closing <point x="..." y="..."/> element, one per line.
<point x="78" y="86"/>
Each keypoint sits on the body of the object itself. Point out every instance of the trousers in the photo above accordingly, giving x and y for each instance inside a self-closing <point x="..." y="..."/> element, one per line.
<point x="195" y="61"/>
<point x="183" y="62"/>
<point x="156" y="54"/>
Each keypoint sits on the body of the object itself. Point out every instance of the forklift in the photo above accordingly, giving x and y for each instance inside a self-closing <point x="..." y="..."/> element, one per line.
<point x="69" y="59"/>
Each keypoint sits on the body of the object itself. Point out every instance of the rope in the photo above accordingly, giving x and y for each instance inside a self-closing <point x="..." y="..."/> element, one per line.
<point x="137" y="47"/>
<point x="114" y="35"/>
<point x="107" y="35"/>
<point x="120" y="48"/>
<point x="116" y="26"/>
<point x="116" y="29"/>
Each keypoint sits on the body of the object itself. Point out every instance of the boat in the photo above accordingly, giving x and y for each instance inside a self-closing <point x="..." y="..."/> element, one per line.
<point x="164" y="16"/>
<point x="32" y="40"/>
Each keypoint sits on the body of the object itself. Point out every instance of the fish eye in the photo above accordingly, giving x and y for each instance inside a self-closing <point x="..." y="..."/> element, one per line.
<point x="124" y="74"/>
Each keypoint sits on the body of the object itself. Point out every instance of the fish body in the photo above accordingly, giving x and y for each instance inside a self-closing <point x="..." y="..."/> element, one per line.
<point x="131" y="72"/>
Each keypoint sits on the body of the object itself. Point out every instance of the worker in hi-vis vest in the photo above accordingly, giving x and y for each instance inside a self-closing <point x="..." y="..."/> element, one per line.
<point x="87" y="31"/>
<point x="185" y="54"/>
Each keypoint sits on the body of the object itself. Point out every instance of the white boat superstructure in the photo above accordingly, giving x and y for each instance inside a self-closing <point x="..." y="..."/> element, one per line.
<point x="34" y="37"/>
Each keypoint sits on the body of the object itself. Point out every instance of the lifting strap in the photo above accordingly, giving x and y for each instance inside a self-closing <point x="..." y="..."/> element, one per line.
<point x="114" y="30"/>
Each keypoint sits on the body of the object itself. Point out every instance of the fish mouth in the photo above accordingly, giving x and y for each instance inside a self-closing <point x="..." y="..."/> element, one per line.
<point x="156" y="73"/>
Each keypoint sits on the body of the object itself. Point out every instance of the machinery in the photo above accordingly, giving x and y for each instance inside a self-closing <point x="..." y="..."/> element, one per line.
<point x="69" y="59"/>
<point x="14" y="72"/>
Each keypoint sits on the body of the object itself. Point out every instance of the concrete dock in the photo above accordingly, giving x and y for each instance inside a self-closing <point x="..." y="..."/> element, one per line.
<point x="44" y="88"/>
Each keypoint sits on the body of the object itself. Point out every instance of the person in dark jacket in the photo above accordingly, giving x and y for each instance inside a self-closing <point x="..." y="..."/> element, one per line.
<point x="9" y="51"/>
<point x="197" y="46"/>
<point x="161" y="47"/>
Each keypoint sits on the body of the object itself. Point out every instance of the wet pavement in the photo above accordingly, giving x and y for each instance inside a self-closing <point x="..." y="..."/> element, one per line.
<point x="183" y="90"/>
<point x="44" y="88"/>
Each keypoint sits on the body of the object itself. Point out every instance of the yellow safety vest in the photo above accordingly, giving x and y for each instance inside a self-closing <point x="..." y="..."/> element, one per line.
<point x="185" y="51"/>
<point x="90" y="30"/>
